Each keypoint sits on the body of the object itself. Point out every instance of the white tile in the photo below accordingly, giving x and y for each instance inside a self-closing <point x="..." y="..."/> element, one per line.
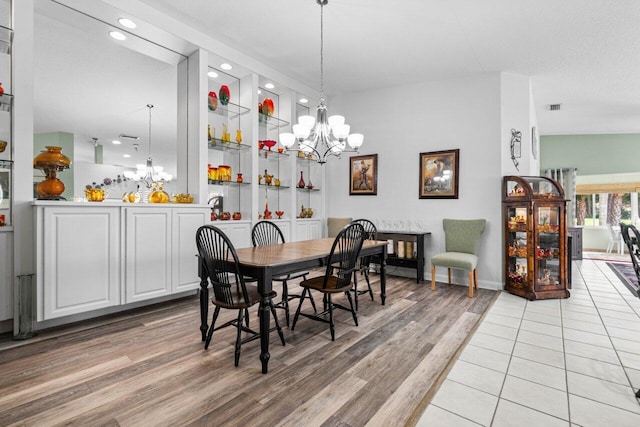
<point x="492" y="343"/>
<point x="588" y="413"/>
<point x="438" y="417"/>
<point x="543" y="318"/>
<point x="498" y="319"/>
<point x="504" y="311"/>
<point x="466" y="402"/>
<point x="595" y="352"/>
<point x="540" y="373"/>
<point x="485" y="357"/>
<point x="583" y="317"/>
<point x="541" y="340"/>
<point x="536" y="396"/>
<point x="543" y="309"/>
<point x="539" y="354"/>
<point x="478" y="377"/>
<point x="584" y="326"/>
<point x="541" y="328"/>
<point x="513" y="301"/>
<point x="498" y="330"/>
<point x="615" y="307"/>
<point x="587" y="337"/>
<point x="573" y="303"/>
<point x="629" y="360"/>
<point x="631" y="316"/>
<point x="580" y="308"/>
<point x="602" y="391"/>
<point x="634" y="377"/>
<point x="511" y="414"/>
<point x="625" y="334"/>
<point x="595" y="368"/>
<point x="625" y="345"/>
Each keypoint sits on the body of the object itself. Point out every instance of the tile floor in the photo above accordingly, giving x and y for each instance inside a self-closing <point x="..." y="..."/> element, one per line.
<point x="570" y="362"/>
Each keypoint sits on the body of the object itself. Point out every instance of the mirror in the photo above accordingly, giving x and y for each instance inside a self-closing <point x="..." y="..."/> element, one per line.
<point x="91" y="90"/>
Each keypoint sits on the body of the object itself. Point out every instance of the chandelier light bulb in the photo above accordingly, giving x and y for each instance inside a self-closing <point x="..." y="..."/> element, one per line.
<point x="301" y="131"/>
<point x="336" y="121"/>
<point x="287" y="140"/>
<point x="341" y="132"/>
<point x="308" y="121"/>
<point x="355" y="140"/>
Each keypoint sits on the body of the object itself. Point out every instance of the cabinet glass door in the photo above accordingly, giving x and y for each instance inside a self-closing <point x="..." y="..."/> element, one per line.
<point x="548" y="246"/>
<point x="518" y="232"/>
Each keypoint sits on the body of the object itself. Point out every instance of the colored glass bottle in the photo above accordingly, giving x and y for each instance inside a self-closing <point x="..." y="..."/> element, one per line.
<point x="301" y="182"/>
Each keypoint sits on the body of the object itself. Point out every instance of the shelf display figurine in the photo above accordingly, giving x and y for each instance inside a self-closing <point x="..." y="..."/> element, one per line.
<point x="1" y="90"/>
<point x="301" y="183"/>
<point x="267" y="178"/>
<point x="213" y="101"/>
<point x="238" y="136"/>
<point x="224" y="94"/>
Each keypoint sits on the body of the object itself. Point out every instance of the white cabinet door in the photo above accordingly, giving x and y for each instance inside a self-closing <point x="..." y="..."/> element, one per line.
<point x="147" y="253"/>
<point x="185" y="263"/>
<point x="308" y="230"/>
<point x="238" y="232"/>
<point x="78" y="261"/>
<point x="315" y="230"/>
<point x="6" y="276"/>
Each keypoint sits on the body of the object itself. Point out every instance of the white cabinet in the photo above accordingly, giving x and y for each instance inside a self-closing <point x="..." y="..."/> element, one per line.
<point x="147" y="253"/>
<point x="78" y="260"/>
<point x="185" y="263"/>
<point x="6" y="276"/>
<point x="238" y="232"/>
<point x="308" y="229"/>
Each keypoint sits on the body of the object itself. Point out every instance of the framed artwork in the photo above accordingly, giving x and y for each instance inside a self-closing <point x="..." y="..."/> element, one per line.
<point x="534" y="142"/>
<point x="439" y="174"/>
<point x="363" y="175"/>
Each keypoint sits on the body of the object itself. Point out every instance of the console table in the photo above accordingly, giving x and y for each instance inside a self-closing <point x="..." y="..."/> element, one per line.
<point x="407" y="251"/>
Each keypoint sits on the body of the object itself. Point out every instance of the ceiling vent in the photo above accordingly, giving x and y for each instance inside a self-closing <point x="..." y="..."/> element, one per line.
<point x="122" y="135"/>
<point x="554" y="107"/>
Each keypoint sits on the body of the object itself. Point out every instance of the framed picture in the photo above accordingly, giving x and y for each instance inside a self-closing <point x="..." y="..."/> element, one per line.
<point x="439" y="174"/>
<point x="363" y="175"/>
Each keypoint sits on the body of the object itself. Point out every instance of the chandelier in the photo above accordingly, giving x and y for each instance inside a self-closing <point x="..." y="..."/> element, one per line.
<point x="148" y="174"/>
<point x="324" y="135"/>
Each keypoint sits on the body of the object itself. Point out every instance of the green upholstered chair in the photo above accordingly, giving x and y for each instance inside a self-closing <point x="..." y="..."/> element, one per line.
<point x="334" y="225"/>
<point x="462" y="238"/>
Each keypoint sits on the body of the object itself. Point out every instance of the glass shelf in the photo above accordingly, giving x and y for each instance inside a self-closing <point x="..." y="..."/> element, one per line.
<point x="6" y="39"/>
<point x="308" y="189"/>
<point x="231" y="110"/>
<point x="229" y="183"/>
<point x="221" y="145"/>
<point x="273" y="154"/>
<point x="5" y="102"/>
<point x="7" y="164"/>
<point x="271" y="122"/>
<point x="305" y="159"/>
<point x="274" y="187"/>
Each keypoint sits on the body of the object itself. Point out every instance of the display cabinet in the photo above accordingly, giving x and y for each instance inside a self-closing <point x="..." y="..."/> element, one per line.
<point x="535" y="237"/>
<point x="6" y="125"/>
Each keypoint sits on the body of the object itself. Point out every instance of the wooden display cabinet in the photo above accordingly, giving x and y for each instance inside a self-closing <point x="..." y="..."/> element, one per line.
<point x="535" y="237"/>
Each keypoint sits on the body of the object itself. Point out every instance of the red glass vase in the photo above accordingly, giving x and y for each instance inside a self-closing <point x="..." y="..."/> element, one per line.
<point x="224" y="95"/>
<point x="301" y="182"/>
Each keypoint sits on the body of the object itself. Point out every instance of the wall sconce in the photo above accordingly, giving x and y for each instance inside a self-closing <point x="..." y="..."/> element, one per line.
<point x="516" y="146"/>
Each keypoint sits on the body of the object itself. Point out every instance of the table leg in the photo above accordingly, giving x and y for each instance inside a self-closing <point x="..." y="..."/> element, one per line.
<point x="204" y="302"/>
<point x="264" y="287"/>
<point x="383" y="275"/>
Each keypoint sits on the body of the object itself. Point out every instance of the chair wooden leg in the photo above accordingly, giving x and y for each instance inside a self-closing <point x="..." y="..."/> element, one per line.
<point x="475" y="277"/>
<point x="449" y="274"/>
<point x="355" y="287"/>
<point x="302" y="297"/>
<point x="239" y="337"/>
<point x="366" y="276"/>
<point x="285" y="300"/>
<point x="275" y="318"/>
<point x="433" y="277"/>
<point x="213" y="322"/>
<point x="471" y="284"/>
<point x="332" y="328"/>
<point x="353" y="312"/>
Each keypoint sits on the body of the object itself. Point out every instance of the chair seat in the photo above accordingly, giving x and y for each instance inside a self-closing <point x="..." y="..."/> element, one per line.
<point x="332" y="284"/>
<point x="455" y="260"/>
<point x="238" y="299"/>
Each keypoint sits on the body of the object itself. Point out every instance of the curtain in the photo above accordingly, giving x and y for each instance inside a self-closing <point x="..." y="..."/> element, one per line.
<point x="566" y="177"/>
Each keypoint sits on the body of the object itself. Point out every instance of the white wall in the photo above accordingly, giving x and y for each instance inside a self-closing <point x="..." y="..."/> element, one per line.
<point x="517" y="113"/>
<point x="402" y="121"/>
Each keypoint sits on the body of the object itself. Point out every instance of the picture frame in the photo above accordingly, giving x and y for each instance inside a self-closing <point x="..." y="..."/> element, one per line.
<point x="439" y="174"/>
<point x="367" y="184"/>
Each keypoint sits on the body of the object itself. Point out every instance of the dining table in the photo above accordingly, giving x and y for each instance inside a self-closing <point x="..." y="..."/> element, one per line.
<point x="265" y="262"/>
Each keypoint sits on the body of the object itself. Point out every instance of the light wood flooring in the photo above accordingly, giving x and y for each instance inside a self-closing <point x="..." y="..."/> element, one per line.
<point x="149" y="367"/>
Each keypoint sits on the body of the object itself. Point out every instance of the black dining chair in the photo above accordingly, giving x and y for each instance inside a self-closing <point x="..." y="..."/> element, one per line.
<point x="631" y="237"/>
<point x="266" y="233"/>
<point x="341" y="265"/>
<point x="371" y="233"/>
<point x="220" y="263"/>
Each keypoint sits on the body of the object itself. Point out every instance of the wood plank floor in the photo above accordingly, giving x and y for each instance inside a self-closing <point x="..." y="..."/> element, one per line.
<point x="149" y="367"/>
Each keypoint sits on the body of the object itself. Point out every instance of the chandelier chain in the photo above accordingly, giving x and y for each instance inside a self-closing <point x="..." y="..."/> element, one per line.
<point x="322" y="49"/>
<point x="149" y="106"/>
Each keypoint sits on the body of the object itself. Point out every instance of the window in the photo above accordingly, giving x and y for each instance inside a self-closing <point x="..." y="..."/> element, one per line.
<point x="600" y="209"/>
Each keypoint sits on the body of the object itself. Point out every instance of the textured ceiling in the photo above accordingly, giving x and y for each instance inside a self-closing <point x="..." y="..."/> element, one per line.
<point x="582" y="54"/>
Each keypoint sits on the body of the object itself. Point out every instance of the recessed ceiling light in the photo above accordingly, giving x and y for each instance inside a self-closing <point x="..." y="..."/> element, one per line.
<point x="303" y="100"/>
<point x="117" y="35"/>
<point x="226" y="66"/>
<point x="115" y="141"/>
<point x="269" y="85"/>
<point x="126" y="155"/>
<point x="212" y="74"/>
<point x="126" y="22"/>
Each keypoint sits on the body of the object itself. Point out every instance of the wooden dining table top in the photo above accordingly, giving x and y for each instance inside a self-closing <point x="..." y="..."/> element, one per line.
<point x="284" y="253"/>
